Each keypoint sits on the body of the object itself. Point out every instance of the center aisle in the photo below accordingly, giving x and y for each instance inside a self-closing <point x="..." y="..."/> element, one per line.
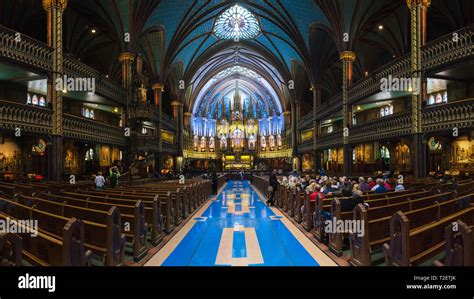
<point x="238" y="229"/>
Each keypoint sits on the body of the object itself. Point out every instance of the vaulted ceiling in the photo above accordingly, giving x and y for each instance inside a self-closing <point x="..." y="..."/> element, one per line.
<point x="299" y="40"/>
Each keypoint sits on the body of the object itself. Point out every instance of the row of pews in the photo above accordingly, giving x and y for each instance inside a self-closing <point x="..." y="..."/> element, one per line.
<point x="80" y="226"/>
<point x="408" y="228"/>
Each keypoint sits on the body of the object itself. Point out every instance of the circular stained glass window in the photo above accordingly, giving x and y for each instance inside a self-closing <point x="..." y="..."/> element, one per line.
<point x="236" y="23"/>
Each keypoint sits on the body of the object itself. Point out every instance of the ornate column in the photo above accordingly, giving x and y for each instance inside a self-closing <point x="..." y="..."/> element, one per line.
<point x="178" y="115"/>
<point x="158" y="89"/>
<point x="126" y="59"/>
<point x="287" y="118"/>
<point x="316" y="103"/>
<point x="187" y="121"/>
<point x="55" y="10"/>
<point x="175" y="106"/>
<point x="347" y="58"/>
<point x="418" y="10"/>
<point x="294" y="129"/>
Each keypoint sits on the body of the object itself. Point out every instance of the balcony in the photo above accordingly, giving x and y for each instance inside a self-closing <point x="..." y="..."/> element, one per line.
<point x="436" y="54"/>
<point x="445" y="117"/>
<point x="87" y="130"/>
<point x="383" y="128"/>
<point x="28" y="51"/>
<point x="34" y="54"/>
<point x="28" y="118"/>
<point x="435" y="119"/>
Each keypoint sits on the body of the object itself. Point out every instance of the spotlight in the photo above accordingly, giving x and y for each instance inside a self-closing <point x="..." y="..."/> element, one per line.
<point x="93" y="31"/>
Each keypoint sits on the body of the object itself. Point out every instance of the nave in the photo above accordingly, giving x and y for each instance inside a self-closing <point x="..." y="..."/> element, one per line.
<point x="237" y="228"/>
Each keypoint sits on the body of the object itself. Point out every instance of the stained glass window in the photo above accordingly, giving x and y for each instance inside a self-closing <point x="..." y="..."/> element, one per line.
<point x="237" y="23"/>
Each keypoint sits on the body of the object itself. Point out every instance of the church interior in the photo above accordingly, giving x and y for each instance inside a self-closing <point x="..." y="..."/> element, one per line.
<point x="237" y="133"/>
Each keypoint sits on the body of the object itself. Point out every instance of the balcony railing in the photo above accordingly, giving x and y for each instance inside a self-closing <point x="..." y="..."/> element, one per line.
<point x="37" y="120"/>
<point x="25" y="117"/>
<point x="27" y="51"/>
<point x="435" y="119"/>
<point x="383" y="128"/>
<point x="80" y="128"/>
<point x="447" y="49"/>
<point x="104" y="86"/>
<point x="445" y="117"/>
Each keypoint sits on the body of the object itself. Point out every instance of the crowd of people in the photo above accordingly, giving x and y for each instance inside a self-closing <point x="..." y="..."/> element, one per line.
<point x="323" y="186"/>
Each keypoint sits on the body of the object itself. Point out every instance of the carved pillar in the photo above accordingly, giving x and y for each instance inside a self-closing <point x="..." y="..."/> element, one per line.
<point x="178" y="115"/>
<point x="294" y="128"/>
<point x="187" y="121"/>
<point x="418" y="10"/>
<point x="347" y="58"/>
<point x="55" y="10"/>
<point x="316" y="104"/>
<point x="158" y="89"/>
<point x="287" y="118"/>
<point x="126" y="59"/>
<point x="175" y="106"/>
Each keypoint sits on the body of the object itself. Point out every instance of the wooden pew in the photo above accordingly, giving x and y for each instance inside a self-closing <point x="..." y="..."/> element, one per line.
<point x="336" y="238"/>
<point x="300" y="199"/>
<point x="377" y="230"/>
<point x="10" y="249"/>
<point x="7" y="190"/>
<point x="136" y="221"/>
<point x="318" y="219"/>
<point x="105" y="240"/>
<point x="414" y="246"/>
<point x="65" y="249"/>
<point x="176" y="197"/>
<point x="152" y="214"/>
<point x="166" y="216"/>
<point x="308" y="214"/>
<point x="459" y="251"/>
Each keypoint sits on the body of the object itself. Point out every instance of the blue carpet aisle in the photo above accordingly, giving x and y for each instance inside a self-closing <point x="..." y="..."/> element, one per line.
<point x="238" y="229"/>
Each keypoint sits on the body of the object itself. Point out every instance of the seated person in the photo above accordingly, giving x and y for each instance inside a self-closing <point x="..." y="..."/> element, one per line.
<point x="381" y="187"/>
<point x="348" y="204"/>
<point x="387" y="184"/>
<point x="328" y="190"/>
<point x="399" y="188"/>
<point x="371" y="183"/>
<point x="364" y="187"/>
<point x="316" y="192"/>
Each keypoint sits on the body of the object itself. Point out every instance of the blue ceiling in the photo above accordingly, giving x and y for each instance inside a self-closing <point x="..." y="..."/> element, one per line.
<point x="188" y="27"/>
